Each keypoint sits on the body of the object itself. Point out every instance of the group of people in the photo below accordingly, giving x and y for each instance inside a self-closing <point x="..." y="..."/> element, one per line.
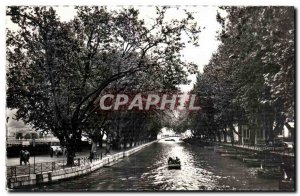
<point x="173" y="161"/>
<point x="24" y="156"/>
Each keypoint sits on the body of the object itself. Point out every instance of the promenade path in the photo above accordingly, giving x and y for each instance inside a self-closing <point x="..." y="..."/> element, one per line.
<point x="45" y="163"/>
<point x="46" y="158"/>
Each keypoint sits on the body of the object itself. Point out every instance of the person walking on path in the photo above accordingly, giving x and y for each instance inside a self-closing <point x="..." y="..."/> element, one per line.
<point x="64" y="152"/>
<point x="107" y="149"/>
<point x="92" y="155"/>
<point x="26" y="157"/>
<point x="51" y="152"/>
<point x="21" y="156"/>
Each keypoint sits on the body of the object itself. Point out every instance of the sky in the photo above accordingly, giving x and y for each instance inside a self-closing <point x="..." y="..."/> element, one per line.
<point x="204" y="15"/>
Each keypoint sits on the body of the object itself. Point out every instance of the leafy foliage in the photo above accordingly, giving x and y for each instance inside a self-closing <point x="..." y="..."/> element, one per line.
<point x="57" y="70"/>
<point x="250" y="80"/>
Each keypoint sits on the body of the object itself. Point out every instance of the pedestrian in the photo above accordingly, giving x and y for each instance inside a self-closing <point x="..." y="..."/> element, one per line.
<point x="92" y="155"/>
<point x="177" y="160"/>
<point x="107" y="149"/>
<point x="51" y="152"/>
<point x="26" y="157"/>
<point x="270" y="143"/>
<point x="21" y="156"/>
<point x="64" y="152"/>
<point x="170" y="160"/>
<point x="58" y="152"/>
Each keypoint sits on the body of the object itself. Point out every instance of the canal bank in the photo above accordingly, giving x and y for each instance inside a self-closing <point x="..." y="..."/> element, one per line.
<point x="83" y="167"/>
<point x="270" y="164"/>
<point x="264" y="154"/>
<point x="202" y="170"/>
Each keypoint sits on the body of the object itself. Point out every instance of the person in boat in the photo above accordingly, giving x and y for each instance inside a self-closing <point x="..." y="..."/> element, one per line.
<point x="173" y="161"/>
<point x="170" y="160"/>
<point x="177" y="160"/>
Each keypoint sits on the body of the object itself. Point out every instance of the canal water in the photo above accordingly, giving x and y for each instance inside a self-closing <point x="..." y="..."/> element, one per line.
<point x="202" y="169"/>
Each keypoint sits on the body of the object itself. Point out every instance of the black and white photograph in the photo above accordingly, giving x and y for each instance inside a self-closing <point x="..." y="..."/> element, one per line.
<point x="144" y="98"/>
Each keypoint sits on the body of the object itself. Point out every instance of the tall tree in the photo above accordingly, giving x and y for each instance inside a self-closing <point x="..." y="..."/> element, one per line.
<point x="250" y="79"/>
<point x="57" y="70"/>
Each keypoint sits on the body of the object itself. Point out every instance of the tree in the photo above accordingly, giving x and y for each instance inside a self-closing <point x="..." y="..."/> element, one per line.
<point x="57" y="70"/>
<point x="266" y="36"/>
<point x="250" y="79"/>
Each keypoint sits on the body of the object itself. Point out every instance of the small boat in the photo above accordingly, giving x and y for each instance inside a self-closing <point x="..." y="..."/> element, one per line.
<point x="287" y="185"/>
<point x="220" y="150"/>
<point x="209" y="147"/>
<point x="174" y="166"/>
<point x="241" y="157"/>
<point x="170" y="140"/>
<point x="174" y="163"/>
<point x="250" y="162"/>
<point x="269" y="173"/>
<point x="272" y="165"/>
<point x="224" y="151"/>
<point x="228" y="155"/>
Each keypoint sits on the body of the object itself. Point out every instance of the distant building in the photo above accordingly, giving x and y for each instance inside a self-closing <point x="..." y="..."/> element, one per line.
<point x="260" y="136"/>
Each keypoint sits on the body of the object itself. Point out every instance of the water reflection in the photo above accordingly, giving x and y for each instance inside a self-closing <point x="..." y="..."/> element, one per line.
<point x="201" y="169"/>
<point x="190" y="177"/>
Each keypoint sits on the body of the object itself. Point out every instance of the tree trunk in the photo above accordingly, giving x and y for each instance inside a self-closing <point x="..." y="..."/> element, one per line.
<point x="219" y="137"/>
<point x="225" y="136"/>
<point x="240" y="139"/>
<point x="94" y="145"/>
<point x="232" y="137"/>
<point x="100" y="142"/>
<point x="72" y="146"/>
<point x="70" y="155"/>
<point x="130" y="143"/>
<point x="268" y="124"/>
<point x="280" y="119"/>
<point x="252" y="135"/>
<point x="124" y="144"/>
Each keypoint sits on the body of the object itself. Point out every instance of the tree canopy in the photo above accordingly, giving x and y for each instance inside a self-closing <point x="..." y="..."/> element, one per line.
<point x="250" y="79"/>
<point x="57" y="70"/>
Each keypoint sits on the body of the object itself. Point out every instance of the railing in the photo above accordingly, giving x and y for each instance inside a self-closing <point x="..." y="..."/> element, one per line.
<point x="272" y="149"/>
<point x="39" y="168"/>
<point x="37" y="141"/>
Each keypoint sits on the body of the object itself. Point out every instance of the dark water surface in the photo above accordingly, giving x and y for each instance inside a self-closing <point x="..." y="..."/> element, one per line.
<point x="202" y="169"/>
